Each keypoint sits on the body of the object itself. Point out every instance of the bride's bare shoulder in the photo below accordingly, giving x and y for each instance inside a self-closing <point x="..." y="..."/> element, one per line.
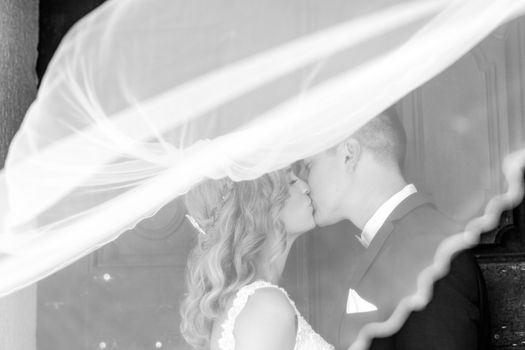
<point x="267" y="301"/>
<point x="262" y="314"/>
<point x="268" y="314"/>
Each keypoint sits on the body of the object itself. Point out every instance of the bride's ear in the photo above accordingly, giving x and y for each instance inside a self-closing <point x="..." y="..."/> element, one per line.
<point x="350" y="152"/>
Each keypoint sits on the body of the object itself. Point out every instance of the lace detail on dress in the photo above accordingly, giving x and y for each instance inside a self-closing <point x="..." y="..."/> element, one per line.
<point x="306" y="338"/>
<point x="227" y="340"/>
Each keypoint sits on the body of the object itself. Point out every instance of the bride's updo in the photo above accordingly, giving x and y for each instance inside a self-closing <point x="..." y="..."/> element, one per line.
<point x="234" y="221"/>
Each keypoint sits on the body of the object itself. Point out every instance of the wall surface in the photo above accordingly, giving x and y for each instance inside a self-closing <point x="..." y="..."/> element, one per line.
<point x="18" y="54"/>
<point x="18" y="84"/>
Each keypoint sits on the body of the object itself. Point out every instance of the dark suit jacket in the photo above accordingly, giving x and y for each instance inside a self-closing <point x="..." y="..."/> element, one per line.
<point x="387" y="271"/>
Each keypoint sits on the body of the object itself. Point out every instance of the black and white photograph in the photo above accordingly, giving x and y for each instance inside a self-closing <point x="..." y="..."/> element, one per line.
<point x="262" y="174"/>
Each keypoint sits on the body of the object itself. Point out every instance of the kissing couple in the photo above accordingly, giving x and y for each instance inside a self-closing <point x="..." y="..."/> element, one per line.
<point x="246" y="229"/>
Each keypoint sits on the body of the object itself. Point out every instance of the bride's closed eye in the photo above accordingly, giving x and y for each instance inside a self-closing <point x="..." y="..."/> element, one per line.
<point x="303" y="170"/>
<point x="292" y="174"/>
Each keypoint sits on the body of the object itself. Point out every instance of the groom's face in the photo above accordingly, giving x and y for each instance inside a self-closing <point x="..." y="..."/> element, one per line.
<point x="327" y="179"/>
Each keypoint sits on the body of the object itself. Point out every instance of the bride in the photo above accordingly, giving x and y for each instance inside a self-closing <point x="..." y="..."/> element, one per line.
<point x="245" y="232"/>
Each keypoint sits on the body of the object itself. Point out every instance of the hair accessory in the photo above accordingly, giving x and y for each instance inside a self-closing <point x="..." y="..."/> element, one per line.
<point x="195" y="224"/>
<point x="226" y="191"/>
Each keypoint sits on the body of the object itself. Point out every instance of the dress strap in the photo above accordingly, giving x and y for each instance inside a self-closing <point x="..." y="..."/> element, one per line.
<point x="227" y="340"/>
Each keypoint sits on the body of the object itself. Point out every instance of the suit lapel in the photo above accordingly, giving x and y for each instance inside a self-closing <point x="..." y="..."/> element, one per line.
<point x="371" y="253"/>
<point x="351" y="324"/>
<point x="410" y="203"/>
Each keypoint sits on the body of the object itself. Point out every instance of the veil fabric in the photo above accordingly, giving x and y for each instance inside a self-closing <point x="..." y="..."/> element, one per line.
<point x="144" y="99"/>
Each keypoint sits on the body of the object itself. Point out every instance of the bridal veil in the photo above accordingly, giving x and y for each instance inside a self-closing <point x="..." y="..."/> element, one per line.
<point x="144" y="99"/>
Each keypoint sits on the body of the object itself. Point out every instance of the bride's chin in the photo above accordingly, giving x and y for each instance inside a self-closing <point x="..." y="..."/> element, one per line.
<point x="311" y="226"/>
<point x="301" y="232"/>
<point x="307" y="224"/>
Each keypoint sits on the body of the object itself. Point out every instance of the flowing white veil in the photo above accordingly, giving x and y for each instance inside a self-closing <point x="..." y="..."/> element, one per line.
<point x="145" y="99"/>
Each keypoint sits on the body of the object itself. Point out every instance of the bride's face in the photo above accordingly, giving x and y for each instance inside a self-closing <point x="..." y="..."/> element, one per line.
<point x="297" y="213"/>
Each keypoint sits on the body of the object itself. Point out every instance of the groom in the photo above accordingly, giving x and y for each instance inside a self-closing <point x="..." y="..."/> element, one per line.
<point x="361" y="180"/>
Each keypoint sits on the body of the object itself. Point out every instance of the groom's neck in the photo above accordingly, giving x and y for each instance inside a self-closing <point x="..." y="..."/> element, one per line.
<point x="370" y="192"/>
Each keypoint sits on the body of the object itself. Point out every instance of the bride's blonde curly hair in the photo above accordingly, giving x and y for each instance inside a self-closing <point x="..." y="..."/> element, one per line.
<point x="237" y="219"/>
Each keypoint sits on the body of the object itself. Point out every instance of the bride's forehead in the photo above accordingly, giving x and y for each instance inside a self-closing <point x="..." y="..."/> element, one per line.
<point x="289" y="171"/>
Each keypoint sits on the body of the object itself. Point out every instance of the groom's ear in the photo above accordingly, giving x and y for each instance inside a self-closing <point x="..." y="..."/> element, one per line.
<point x="350" y="152"/>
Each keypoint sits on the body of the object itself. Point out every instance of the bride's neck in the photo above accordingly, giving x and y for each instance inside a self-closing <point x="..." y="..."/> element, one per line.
<point x="273" y="272"/>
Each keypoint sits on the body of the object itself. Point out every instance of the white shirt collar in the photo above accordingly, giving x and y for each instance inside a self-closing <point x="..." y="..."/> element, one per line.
<point x="382" y="213"/>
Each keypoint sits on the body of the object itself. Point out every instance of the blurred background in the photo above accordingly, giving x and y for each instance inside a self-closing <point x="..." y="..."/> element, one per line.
<point x="126" y="295"/>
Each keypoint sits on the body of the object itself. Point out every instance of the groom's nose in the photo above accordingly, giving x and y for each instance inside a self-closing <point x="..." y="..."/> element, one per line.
<point x="305" y="188"/>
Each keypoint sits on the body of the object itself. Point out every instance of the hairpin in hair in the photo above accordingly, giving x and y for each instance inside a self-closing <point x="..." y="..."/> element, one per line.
<point x="226" y="192"/>
<point x="195" y="224"/>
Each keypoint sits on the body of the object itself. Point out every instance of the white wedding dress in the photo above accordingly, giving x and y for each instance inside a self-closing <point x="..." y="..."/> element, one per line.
<point x="306" y="338"/>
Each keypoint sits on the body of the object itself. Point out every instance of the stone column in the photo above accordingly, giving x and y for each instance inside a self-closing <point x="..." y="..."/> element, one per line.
<point x="18" y="84"/>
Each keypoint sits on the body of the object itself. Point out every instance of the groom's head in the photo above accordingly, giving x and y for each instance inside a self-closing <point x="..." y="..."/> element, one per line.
<point x="340" y="177"/>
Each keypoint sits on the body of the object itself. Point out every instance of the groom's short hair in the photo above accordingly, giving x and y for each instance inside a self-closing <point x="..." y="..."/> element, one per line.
<point x="384" y="136"/>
